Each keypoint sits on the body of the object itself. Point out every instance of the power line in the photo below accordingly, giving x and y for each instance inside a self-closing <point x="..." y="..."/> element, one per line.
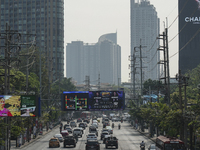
<point x="178" y="14"/>
<point x="186" y="43"/>
<point x="182" y="27"/>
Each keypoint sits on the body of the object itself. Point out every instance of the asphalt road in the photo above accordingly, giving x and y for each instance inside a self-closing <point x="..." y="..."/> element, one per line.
<point x="128" y="139"/>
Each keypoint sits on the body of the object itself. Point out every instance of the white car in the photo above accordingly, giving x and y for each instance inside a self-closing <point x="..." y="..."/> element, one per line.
<point x="95" y="125"/>
<point x="94" y="121"/>
<point x="77" y="132"/>
<point x="91" y="136"/>
<point x="59" y="136"/>
<point x="109" y="129"/>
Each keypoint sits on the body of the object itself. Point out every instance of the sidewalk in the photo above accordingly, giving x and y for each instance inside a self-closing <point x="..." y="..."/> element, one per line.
<point x="146" y="133"/>
<point x="13" y="142"/>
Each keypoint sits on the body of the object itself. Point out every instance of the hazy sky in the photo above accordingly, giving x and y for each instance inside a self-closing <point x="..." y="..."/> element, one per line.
<point x="87" y="20"/>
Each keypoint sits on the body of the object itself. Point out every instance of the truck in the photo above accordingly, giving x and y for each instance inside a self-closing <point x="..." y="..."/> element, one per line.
<point x="111" y="141"/>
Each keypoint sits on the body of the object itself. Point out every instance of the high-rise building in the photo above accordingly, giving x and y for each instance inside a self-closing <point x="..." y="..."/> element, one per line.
<point x="102" y="58"/>
<point x="189" y="28"/>
<point x="144" y="30"/>
<point x="45" y="18"/>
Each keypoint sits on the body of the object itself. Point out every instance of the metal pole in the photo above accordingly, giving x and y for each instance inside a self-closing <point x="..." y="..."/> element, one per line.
<point x="168" y="75"/>
<point x="141" y="68"/>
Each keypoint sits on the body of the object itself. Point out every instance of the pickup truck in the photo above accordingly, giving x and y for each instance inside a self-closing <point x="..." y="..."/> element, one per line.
<point x="111" y="141"/>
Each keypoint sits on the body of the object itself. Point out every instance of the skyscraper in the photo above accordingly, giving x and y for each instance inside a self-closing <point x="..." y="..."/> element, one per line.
<point x="45" y="18"/>
<point x="144" y="30"/>
<point x="103" y="57"/>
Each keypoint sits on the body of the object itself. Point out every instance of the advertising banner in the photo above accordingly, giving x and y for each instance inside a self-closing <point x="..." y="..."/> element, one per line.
<point x="28" y="105"/>
<point x="25" y="105"/>
<point x="189" y="34"/>
<point x="10" y="105"/>
<point x="106" y="100"/>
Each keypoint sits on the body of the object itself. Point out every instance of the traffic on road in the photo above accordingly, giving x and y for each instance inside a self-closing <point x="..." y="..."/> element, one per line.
<point x="92" y="133"/>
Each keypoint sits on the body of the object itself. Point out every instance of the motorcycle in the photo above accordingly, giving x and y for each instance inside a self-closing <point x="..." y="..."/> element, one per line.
<point x="113" y="125"/>
<point x="142" y="147"/>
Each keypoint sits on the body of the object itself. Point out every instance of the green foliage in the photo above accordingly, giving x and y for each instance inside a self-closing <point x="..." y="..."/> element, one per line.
<point x="155" y="85"/>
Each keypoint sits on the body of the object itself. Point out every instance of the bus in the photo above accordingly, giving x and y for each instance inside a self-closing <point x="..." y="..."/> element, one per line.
<point x="86" y="114"/>
<point x="167" y="143"/>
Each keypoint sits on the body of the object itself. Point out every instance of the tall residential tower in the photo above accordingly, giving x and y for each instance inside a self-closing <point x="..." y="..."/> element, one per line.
<point x="144" y="30"/>
<point x="102" y="58"/>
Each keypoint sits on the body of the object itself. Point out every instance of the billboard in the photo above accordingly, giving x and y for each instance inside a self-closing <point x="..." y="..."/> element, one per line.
<point x="26" y="105"/>
<point x="106" y="100"/>
<point x="189" y="34"/>
<point x="75" y="100"/>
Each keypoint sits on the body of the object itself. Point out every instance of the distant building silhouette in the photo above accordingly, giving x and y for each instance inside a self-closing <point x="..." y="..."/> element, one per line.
<point x="104" y="58"/>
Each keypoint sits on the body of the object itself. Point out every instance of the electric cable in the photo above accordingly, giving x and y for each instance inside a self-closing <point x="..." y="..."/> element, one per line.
<point x="178" y="14"/>
<point x="186" y="43"/>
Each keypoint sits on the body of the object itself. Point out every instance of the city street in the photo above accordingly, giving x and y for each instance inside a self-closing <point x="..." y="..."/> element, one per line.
<point x="128" y="139"/>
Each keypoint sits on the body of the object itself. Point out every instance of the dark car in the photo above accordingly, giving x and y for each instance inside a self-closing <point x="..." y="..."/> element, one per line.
<point x="69" y="140"/>
<point x="79" y="120"/>
<point x="92" y="129"/>
<point x="82" y="125"/>
<point x="66" y="126"/>
<point x="73" y="124"/>
<point x="69" y="130"/>
<point x="92" y="144"/>
<point x="112" y="141"/>
<point x="86" y="120"/>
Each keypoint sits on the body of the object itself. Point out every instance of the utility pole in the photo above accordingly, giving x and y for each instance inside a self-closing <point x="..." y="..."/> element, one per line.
<point x="99" y="83"/>
<point x="133" y="73"/>
<point x="179" y="78"/>
<point x="6" y="62"/>
<point x="168" y="74"/>
<point x="183" y="81"/>
<point x="141" y="73"/>
<point x="87" y="83"/>
<point x="165" y="62"/>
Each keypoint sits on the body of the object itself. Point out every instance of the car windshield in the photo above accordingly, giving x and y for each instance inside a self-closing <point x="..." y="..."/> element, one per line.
<point x="92" y="143"/>
<point x="153" y="147"/>
<point x="69" y="137"/>
<point x="91" y="134"/>
<point x="93" y="130"/>
<point x="105" y="133"/>
<point x="53" y="140"/>
<point x="76" y="129"/>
